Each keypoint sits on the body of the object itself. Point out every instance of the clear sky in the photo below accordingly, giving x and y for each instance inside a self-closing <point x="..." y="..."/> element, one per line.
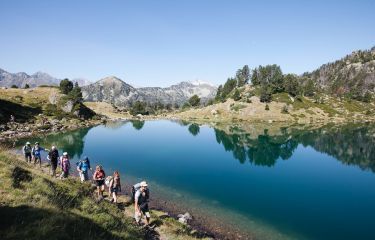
<point x="161" y="42"/>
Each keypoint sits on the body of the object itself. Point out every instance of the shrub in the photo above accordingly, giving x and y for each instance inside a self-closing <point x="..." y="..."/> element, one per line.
<point x="66" y="86"/>
<point x="236" y="95"/>
<point x="285" y="109"/>
<point x="194" y="100"/>
<point x="267" y="107"/>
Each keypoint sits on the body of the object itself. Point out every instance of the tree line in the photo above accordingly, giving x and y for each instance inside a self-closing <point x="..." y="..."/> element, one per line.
<point x="269" y="80"/>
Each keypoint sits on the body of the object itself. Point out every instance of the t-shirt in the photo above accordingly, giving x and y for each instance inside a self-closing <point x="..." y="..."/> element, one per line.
<point x="141" y="198"/>
<point x="37" y="150"/>
<point x="53" y="155"/>
<point x="99" y="175"/>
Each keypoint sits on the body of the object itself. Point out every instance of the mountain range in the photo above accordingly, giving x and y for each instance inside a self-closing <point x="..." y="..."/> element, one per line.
<point x="20" y="79"/>
<point x="113" y="90"/>
<point x="354" y="74"/>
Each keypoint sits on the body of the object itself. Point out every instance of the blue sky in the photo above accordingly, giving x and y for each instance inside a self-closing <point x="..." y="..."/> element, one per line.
<point x="158" y="43"/>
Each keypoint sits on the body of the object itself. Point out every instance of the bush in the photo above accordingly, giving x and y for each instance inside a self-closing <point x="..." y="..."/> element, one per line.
<point x="265" y="94"/>
<point x="236" y="95"/>
<point x="66" y="86"/>
<point x="267" y="107"/>
<point x="13" y="86"/>
<point x="138" y="108"/>
<point x="194" y="101"/>
<point x="186" y="106"/>
<point x="285" y="109"/>
<point x="27" y="86"/>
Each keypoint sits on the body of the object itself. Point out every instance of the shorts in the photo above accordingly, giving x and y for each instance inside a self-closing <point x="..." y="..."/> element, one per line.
<point x="28" y="155"/>
<point x="114" y="190"/>
<point x="84" y="176"/>
<point x="144" y="211"/>
<point x="99" y="183"/>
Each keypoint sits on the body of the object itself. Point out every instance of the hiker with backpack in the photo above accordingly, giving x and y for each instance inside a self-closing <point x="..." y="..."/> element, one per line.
<point x="53" y="156"/>
<point x="65" y="165"/>
<point x="136" y="187"/>
<point x="27" y="152"/>
<point x="36" y="152"/>
<point x="141" y="200"/>
<point x="114" y="186"/>
<point x="83" y="167"/>
<point x="99" y="177"/>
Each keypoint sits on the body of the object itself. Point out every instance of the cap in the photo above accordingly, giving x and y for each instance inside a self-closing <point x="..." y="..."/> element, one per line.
<point x="144" y="184"/>
<point x="65" y="154"/>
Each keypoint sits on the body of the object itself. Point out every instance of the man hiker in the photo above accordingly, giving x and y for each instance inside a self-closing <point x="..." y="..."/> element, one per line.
<point x="136" y="187"/>
<point x="27" y="152"/>
<point x="53" y="156"/>
<point x="141" y="204"/>
<point x="83" y="167"/>
<point x="36" y="152"/>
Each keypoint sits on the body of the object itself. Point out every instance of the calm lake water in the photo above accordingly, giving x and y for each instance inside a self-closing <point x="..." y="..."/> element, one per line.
<point x="288" y="184"/>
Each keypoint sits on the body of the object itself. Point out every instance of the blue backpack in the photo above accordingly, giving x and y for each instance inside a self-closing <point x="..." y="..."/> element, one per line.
<point x="84" y="165"/>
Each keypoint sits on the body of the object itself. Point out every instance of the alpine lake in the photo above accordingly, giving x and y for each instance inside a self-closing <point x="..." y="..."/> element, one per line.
<point x="264" y="182"/>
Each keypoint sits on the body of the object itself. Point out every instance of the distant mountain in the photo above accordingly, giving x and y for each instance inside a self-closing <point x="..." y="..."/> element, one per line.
<point x="110" y="90"/>
<point x="353" y="74"/>
<point x="39" y="78"/>
<point x="21" y="79"/>
<point x="115" y="91"/>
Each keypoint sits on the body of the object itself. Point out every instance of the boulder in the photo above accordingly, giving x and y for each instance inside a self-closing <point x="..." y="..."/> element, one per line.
<point x="68" y="107"/>
<point x="184" y="218"/>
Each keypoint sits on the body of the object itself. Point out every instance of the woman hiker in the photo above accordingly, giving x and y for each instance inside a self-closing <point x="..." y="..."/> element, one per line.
<point x="99" y="177"/>
<point x="115" y="186"/>
<point x="65" y="165"/>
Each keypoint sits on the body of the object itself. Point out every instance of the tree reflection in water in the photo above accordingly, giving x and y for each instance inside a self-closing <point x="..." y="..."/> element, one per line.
<point x="350" y="144"/>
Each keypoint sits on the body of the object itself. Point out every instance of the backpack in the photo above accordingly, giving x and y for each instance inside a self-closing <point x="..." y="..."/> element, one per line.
<point x="83" y="165"/>
<point x="65" y="165"/>
<point x="26" y="149"/>
<point x="108" y="180"/>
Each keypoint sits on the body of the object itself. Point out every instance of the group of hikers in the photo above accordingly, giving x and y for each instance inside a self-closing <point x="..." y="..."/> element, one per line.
<point x="139" y="192"/>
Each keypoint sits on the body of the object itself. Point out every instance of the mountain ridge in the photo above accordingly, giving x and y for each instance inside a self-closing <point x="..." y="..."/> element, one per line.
<point x="115" y="91"/>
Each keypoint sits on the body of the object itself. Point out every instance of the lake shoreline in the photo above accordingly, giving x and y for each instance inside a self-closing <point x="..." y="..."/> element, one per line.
<point x="204" y="224"/>
<point x="171" y="209"/>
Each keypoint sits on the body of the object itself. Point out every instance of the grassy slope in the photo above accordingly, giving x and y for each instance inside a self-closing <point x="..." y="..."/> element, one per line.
<point x="24" y="104"/>
<point x="39" y="207"/>
<point x="305" y="111"/>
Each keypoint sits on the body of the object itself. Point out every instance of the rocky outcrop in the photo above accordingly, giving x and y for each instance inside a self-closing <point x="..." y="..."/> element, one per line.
<point x="355" y="74"/>
<point x="115" y="91"/>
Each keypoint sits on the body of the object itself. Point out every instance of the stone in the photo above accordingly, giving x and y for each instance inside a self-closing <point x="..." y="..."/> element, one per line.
<point x="68" y="107"/>
<point x="214" y="112"/>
